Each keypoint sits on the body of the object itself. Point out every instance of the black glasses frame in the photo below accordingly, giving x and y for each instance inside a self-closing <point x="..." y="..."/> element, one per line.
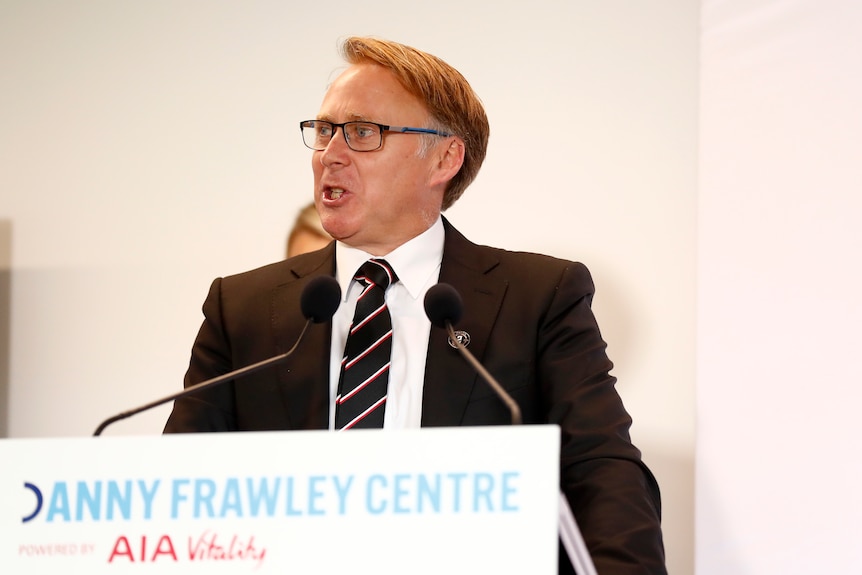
<point x="311" y="124"/>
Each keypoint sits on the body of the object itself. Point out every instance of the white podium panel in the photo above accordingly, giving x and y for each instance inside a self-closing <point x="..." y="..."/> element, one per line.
<point x="447" y="500"/>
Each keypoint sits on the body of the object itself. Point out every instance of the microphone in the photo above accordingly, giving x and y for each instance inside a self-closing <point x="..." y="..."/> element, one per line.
<point x="443" y="306"/>
<point x="318" y="302"/>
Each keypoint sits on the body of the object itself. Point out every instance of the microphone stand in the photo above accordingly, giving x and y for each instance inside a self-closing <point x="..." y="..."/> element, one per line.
<point x="205" y="384"/>
<point x="495" y="385"/>
<point x="573" y="541"/>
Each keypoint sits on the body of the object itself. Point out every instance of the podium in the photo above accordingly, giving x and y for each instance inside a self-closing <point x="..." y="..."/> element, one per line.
<point x="437" y="500"/>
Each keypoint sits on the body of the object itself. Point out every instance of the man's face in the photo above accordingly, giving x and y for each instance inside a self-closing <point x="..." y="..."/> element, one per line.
<point x="390" y="195"/>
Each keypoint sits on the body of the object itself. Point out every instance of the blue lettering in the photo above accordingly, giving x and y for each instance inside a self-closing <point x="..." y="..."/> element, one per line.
<point x="456" y="478"/>
<point x="177" y="496"/>
<point x="483" y="486"/>
<point x="148" y="495"/>
<point x="262" y="495"/>
<point x="342" y="492"/>
<point x="121" y="501"/>
<point x="38" y="493"/>
<point x="380" y="507"/>
<point x="59" y="504"/>
<point x="231" y="500"/>
<point x="314" y="494"/>
<point x="428" y="492"/>
<point x="204" y="493"/>
<point x="400" y="493"/>
<point x="92" y="501"/>
<point x="509" y="491"/>
<point x="291" y="510"/>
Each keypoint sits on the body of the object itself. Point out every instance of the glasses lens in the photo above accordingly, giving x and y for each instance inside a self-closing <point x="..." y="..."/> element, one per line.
<point x="363" y="136"/>
<point x="316" y="134"/>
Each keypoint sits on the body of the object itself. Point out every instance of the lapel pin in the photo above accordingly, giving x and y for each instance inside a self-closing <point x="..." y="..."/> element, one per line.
<point x="463" y="338"/>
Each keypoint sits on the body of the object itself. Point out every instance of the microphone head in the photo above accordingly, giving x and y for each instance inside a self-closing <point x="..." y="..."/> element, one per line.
<point x="443" y="303"/>
<point x="320" y="299"/>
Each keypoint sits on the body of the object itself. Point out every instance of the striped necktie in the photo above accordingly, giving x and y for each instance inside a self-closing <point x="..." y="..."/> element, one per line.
<point x="364" y="379"/>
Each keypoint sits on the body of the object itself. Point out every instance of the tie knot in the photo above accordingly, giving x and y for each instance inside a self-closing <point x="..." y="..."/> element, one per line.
<point x="378" y="272"/>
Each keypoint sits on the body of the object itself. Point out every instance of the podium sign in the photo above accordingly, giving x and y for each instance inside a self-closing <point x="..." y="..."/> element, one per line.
<point x="443" y="500"/>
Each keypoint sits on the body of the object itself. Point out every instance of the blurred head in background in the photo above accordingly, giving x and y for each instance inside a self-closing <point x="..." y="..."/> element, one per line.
<point x="307" y="233"/>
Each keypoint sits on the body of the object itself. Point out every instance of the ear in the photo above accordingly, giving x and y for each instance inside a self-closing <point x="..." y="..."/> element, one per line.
<point x="449" y="159"/>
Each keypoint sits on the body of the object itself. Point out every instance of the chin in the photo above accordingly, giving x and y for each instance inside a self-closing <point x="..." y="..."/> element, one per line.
<point x="337" y="232"/>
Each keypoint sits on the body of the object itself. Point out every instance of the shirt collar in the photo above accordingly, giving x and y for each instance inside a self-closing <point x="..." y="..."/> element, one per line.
<point x="414" y="262"/>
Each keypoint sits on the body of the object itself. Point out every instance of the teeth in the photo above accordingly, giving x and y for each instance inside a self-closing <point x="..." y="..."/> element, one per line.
<point x="335" y="193"/>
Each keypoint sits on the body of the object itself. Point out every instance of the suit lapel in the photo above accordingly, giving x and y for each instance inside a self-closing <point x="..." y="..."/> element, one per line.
<point x="449" y="378"/>
<point x="304" y="379"/>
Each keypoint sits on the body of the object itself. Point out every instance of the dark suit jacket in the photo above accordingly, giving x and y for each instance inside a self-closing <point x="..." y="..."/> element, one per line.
<point x="530" y="324"/>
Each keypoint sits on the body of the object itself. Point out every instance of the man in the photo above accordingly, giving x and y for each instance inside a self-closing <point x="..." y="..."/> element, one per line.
<point x="398" y="138"/>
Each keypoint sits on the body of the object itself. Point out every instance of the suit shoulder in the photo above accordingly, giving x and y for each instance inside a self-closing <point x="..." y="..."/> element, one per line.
<point x="283" y="271"/>
<point x="494" y="260"/>
<point x="540" y="267"/>
<point x="270" y="274"/>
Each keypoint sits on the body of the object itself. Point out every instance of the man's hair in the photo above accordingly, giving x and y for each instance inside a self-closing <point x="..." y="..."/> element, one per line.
<point x="453" y="105"/>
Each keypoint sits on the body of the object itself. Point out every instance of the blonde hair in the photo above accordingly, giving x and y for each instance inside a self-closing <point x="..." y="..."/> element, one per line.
<point x="453" y="105"/>
<point x="307" y="221"/>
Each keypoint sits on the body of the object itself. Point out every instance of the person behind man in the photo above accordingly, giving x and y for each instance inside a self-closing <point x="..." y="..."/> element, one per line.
<point x="399" y="136"/>
<point x="307" y="233"/>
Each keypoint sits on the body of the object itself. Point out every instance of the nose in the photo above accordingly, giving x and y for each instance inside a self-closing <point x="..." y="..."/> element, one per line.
<point x="337" y="151"/>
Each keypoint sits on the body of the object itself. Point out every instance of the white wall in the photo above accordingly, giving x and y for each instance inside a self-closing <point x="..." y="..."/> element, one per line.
<point x="147" y="147"/>
<point x="5" y="313"/>
<point x="778" y="459"/>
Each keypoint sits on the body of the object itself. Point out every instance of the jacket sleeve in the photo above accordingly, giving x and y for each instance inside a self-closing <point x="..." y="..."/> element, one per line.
<point x="613" y="495"/>
<point x="211" y="409"/>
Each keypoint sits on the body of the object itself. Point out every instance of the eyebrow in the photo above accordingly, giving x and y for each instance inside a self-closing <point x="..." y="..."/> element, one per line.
<point x="354" y="117"/>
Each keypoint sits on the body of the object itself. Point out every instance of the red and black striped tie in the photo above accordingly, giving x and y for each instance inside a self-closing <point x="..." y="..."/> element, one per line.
<point x="364" y="379"/>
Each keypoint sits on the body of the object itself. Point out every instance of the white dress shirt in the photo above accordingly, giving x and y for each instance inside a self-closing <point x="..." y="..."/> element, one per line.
<point x="417" y="265"/>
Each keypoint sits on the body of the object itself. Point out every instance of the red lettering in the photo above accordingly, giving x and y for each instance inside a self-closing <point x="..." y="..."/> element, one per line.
<point x="168" y="548"/>
<point x="208" y="547"/>
<point x="121" y="549"/>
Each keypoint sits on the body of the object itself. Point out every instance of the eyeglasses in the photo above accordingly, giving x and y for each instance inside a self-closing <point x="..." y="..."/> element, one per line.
<point x="360" y="136"/>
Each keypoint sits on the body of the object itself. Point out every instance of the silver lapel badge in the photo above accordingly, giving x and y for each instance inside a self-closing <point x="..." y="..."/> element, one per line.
<point x="463" y="338"/>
